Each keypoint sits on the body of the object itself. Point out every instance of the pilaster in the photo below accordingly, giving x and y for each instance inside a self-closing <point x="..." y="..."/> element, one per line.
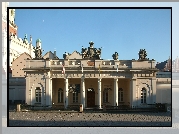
<point x="28" y="92"/>
<point x="133" y="99"/>
<point x="153" y="92"/>
<point x="48" y="91"/>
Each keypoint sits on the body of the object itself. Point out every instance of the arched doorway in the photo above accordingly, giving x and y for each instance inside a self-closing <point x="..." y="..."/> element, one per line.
<point x="90" y="97"/>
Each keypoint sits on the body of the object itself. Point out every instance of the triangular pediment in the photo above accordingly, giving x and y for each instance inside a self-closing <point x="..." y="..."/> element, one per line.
<point x="75" y="55"/>
<point x="49" y="55"/>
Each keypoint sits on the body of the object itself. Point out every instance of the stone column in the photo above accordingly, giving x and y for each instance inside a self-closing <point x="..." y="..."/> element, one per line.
<point x="83" y="91"/>
<point x="115" y="102"/>
<point x="99" y="93"/>
<point x="51" y="90"/>
<point x="133" y="93"/>
<point x="153" y="88"/>
<point x="66" y="93"/>
<point x="48" y="92"/>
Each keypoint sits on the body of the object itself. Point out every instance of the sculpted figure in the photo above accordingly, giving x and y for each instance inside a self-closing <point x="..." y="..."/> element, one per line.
<point x="98" y="53"/>
<point x="115" y="56"/>
<point x="38" y="53"/>
<point x="91" y="52"/>
<point x="142" y="54"/>
<point x="66" y="55"/>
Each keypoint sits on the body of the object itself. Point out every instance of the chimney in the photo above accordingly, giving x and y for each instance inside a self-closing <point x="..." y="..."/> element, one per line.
<point x="55" y="54"/>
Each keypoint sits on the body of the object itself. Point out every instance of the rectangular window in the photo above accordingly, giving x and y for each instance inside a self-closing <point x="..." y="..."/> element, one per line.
<point x="105" y="96"/>
<point x="120" y="95"/>
<point x="60" y="96"/>
<point x="141" y="100"/>
<point x="75" y="97"/>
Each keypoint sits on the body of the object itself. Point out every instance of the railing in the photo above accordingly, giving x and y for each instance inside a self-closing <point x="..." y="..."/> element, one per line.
<point x="36" y="64"/>
<point x="58" y="107"/>
<point x="163" y="80"/>
<point x="149" y="107"/>
<point x="78" y="63"/>
<point x="74" y="107"/>
<point x="55" y="62"/>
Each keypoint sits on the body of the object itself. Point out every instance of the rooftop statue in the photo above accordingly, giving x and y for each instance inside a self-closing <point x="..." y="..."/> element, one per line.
<point x="115" y="56"/>
<point x="84" y="52"/>
<point x="142" y="54"/>
<point x="98" y="53"/>
<point x="91" y="44"/>
<point x="66" y="55"/>
<point x="38" y="53"/>
<point x="91" y="52"/>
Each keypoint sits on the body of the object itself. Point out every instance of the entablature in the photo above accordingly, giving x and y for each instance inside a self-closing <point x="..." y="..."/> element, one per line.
<point x="74" y="63"/>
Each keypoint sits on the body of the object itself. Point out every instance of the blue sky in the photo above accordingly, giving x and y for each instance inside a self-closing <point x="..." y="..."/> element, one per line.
<point x="125" y="31"/>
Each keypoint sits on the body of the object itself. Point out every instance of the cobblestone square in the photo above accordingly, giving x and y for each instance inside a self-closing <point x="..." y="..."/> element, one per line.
<point x="95" y="119"/>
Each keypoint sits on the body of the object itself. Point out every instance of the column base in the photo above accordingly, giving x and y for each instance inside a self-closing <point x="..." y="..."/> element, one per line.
<point x="99" y="107"/>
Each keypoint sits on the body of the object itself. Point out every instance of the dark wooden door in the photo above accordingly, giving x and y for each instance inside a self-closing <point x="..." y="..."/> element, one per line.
<point x="90" y="99"/>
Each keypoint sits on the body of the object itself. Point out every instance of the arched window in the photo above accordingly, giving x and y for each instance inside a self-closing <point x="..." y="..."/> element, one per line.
<point x="60" y="95"/>
<point x="38" y="94"/>
<point x="143" y="95"/>
<point x="120" y="95"/>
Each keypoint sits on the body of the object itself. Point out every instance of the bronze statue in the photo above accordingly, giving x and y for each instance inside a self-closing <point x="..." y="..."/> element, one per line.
<point x="84" y="52"/>
<point x="142" y="54"/>
<point x="98" y="53"/>
<point x="66" y="55"/>
<point x="91" y="52"/>
<point x="91" y="44"/>
<point x="115" y="56"/>
<point x="38" y="52"/>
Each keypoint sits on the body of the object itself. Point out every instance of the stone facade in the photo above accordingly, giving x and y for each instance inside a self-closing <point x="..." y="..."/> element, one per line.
<point x="86" y="78"/>
<point x="89" y="81"/>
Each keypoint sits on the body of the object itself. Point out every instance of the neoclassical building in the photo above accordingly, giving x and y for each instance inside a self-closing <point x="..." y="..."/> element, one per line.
<point x="85" y="78"/>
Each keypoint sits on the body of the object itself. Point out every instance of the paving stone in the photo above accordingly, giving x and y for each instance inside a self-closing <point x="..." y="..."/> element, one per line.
<point x="88" y="119"/>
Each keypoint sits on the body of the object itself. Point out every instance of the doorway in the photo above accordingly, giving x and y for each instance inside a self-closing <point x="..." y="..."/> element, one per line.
<point x="90" y="97"/>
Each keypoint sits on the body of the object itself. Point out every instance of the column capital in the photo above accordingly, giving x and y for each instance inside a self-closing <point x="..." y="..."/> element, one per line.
<point x="48" y="78"/>
<point x="27" y="77"/>
<point x="82" y="77"/>
<point x="116" y="79"/>
<point x="133" y="79"/>
<point x="99" y="79"/>
<point x="65" y="78"/>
